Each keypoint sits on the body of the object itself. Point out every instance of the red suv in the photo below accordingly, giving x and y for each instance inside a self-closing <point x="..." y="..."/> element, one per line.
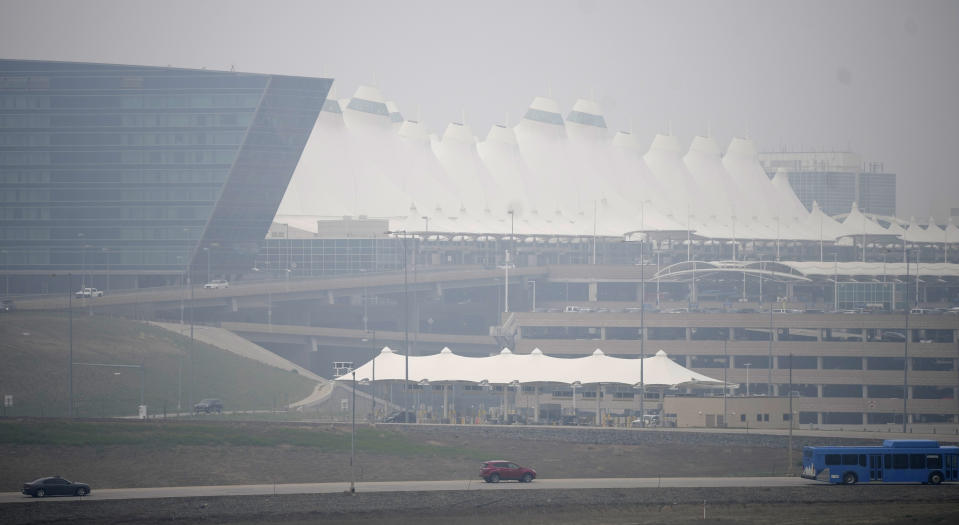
<point x="497" y="469"/>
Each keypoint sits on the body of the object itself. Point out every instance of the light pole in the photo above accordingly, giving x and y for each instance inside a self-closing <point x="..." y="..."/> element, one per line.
<point x="106" y="251"/>
<point x="574" y="386"/>
<point x="790" y="444"/>
<point x="506" y="265"/>
<point x="642" y="337"/>
<point x="406" y="328"/>
<point x="6" y="274"/>
<point x="207" y="250"/>
<point x="532" y="282"/>
<point x="373" y="380"/>
<point x="769" y="365"/>
<point x="905" y="348"/>
<point x="353" y="440"/>
<point x="70" y="332"/>
<point x="747" y="365"/>
<point x="725" y="383"/>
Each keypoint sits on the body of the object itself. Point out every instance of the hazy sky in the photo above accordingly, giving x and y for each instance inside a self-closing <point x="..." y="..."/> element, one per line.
<point x="878" y="77"/>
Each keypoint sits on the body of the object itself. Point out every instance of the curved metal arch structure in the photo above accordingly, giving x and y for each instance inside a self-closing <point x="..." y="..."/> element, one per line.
<point x="687" y="270"/>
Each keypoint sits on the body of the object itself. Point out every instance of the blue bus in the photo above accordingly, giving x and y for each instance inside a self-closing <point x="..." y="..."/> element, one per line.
<point x="896" y="461"/>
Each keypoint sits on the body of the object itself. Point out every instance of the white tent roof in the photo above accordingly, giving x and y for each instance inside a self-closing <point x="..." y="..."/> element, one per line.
<point x="822" y="225"/>
<point x="952" y="232"/>
<point x="858" y="224"/>
<point x="917" y="234"/>
<point x="535" y="367"/>
<point x="561" y="177"/>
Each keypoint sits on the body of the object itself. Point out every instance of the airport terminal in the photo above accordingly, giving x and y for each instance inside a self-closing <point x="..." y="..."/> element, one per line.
<point x="338" y="227"/>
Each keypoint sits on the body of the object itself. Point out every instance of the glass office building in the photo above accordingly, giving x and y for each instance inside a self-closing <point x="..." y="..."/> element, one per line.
<point x="144" y="171"/>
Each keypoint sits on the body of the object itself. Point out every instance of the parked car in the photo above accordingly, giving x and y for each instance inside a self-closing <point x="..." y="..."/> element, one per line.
<point x="54" y="486"/>
<point x="88" y="292"/>
<point x="495" y="470"/>
<point x="651" y="420"/>
<point x="400" y="417"/>
<point x="208" y="405"/>
<point x="216" y="284"/>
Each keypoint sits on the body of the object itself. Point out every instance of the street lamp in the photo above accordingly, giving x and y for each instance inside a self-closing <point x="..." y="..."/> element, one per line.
<point x="6" y="274"/>
<point x="406" y="326"/>
<point x="747" y="365"/>
<point x="106" y="252"/>
<point x="373" y="380"/>
<point x="70" y="335"/>
<point x="506" y="265"/>
<point x="642" y="336"/>
<point x="208" y="271"/>
<point x="353" y="439"/>
<point x="574" y="385"/>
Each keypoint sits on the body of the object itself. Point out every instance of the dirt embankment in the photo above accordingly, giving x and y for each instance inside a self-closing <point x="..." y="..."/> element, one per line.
<point x="784" y="506"/>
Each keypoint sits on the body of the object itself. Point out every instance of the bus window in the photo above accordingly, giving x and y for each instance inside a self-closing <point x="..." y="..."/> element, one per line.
<point x="862" y="460"/>
<point x="850" y="459"/>
<point x="952" y="461"/>
<point x="933" y="461"/>
<point x="900" y="461"/>
<point x="917" y="461"/>
<point x="833" y="459"/>
<point x="888" y="461"/>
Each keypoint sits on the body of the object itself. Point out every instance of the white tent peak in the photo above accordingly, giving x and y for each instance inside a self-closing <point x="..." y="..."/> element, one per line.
<point x="370" y="93"/>
<point x="536" y="351"/>
<point x="446" y="350"/>
<point x="740" y="146"/>
<point x="505" y="351"/>
<point x="705" y="145"/>
<point x="661" y="353"/>
<point x="587" y="113"/>
<point x="386" y="350"/>
<point x="598" y="352"/>
<point x="666" y="143"/>
<point x="459" y="132"/>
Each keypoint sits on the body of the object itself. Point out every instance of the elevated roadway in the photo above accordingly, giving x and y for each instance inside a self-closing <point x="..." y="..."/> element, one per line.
<point x="258" y="293"/>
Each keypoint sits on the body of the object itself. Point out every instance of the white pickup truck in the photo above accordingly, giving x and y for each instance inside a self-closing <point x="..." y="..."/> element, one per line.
<point x="89" y="292"/>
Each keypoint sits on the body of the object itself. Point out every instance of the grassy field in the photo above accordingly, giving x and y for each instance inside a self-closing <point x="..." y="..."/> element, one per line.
<point x="218" y="450"/>
<point x="35" y="352"/>
<point x="170" y="433"/>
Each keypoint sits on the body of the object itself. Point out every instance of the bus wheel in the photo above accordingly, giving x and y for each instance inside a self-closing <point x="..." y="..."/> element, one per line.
<point x="849" y="478"/>
<point x="935" y="478"/>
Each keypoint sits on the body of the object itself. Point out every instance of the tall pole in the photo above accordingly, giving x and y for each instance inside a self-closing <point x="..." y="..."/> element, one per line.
<point x="189" y="278"/>
<point x="769" y="379"/>
<point x="70" y="332"/>
<point x="725" y="383"/>
<point x="373" y="380"/>
<point x="642" y="338"/>
<point x="747" y="378"/>
<point x="790" y="445"/>
<point x="905" y="352"/>
<point x="594" y="232"/>
<point x="353" y="440"/>
<point x="406" y="333"/>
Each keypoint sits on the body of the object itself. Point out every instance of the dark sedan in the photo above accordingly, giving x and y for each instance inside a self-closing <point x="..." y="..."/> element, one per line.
<point x="54" y="486"/>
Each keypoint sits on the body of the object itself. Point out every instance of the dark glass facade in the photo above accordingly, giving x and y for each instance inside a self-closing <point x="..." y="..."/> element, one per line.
<point x="144" y="170"/>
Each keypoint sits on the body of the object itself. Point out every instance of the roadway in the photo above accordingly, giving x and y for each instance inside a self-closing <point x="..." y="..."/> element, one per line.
<point x="419" y="486"/>
<point x="256" y="292"/>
